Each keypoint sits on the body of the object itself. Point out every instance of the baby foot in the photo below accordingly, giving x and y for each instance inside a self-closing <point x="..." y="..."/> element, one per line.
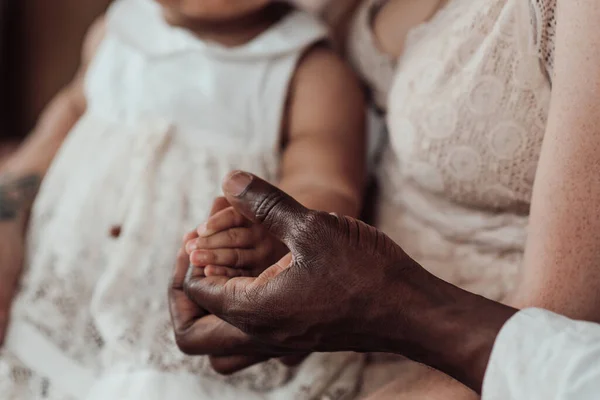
<point x="230" y="245"/>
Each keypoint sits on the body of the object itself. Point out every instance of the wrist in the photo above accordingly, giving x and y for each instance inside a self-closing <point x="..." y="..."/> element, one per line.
<point x="445" y="327"/>
<point x="462" y="334"/>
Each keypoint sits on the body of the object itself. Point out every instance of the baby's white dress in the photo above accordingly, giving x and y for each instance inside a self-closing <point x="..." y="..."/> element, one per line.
<point x="168" y="116"/>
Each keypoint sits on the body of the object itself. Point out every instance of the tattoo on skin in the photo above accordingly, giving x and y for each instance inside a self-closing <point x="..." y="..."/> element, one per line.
<point x="17" y="195"/>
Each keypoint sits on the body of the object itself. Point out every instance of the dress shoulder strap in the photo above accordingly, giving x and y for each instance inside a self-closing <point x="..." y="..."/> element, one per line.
<point x="544" y="23"/>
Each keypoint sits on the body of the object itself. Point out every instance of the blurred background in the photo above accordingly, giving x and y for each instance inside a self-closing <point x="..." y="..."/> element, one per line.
<point x="40" y="44"/>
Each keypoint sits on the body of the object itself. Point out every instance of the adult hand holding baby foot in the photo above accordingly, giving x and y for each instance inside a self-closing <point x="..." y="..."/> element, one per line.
<point x="207" y="327"/>
<point x="224" y="246"/>
<point x="325" y="283"/>
<point x="345" y="286"/>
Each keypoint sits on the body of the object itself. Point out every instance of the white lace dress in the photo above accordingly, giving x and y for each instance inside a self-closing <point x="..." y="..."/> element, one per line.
<point x="168" y="116"/>
<point x="467" y="104"/>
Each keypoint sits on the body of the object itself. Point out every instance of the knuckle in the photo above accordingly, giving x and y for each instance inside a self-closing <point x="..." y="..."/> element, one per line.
<point x="201" y="243"/>
<point x="238" y="258"/>
<point x="205" y="243"/>
<point x="233" y="236"/>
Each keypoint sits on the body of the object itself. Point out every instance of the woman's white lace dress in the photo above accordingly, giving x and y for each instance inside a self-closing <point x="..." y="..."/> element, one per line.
<point x="467" y="104"/>
<point x="168" y="116"/>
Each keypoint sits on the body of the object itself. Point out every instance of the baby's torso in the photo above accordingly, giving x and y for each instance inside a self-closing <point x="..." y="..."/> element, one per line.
<point x="147" y="71"/>
<point x="168" y="117"/>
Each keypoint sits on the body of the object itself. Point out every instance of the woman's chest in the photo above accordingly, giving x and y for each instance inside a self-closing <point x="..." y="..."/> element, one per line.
<point x="468" y="107"/>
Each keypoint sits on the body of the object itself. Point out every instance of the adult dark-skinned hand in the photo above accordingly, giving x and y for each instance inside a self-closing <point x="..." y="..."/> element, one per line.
<point x="344" y="287"/>
<point x="209" y="326"/>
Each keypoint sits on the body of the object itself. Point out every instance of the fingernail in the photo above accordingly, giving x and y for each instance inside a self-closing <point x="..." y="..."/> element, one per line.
<point x="190" y="246"/>
<point x="200" y="258"/>
<point x="237" y="183"/>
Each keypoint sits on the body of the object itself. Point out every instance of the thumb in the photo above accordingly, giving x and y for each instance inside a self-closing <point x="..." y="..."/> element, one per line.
<point x="262" y="202"/>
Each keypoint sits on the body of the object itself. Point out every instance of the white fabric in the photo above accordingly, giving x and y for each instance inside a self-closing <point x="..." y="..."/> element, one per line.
<point x="168" y="116"/>
<point x="466" y="114"/>
<point x="540" y="355"/>
<point x="467" y="104"/>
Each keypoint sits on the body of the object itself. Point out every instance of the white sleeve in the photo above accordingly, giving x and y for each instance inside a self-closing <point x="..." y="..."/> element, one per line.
<point x="539" y="355"/>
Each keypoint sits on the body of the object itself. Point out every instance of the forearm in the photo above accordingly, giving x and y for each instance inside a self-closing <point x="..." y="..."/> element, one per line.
<point x="454" y="332"/>
<point x="341" y="199"/>
<point x="36" y="153"/>
<point x="323" y="157"/>
<point x="35" y="156"/>
<point x="22" y="173"/>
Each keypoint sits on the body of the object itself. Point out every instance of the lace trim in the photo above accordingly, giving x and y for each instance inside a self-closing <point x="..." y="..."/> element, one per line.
<point x="544" y="23"/>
